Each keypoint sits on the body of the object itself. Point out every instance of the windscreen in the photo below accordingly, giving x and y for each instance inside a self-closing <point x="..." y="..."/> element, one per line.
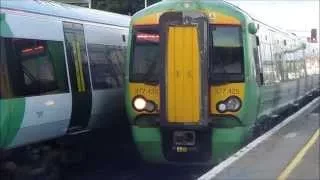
<point x="226" y="54"/>
<point x="145" y="58"/>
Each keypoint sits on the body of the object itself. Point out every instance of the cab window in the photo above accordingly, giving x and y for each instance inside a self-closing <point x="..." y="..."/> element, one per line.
<point x="145" y="59"/>
<point x="226" y="54"/>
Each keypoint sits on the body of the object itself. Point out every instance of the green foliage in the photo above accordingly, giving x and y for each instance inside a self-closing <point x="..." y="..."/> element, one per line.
<point x="128" y="7"/>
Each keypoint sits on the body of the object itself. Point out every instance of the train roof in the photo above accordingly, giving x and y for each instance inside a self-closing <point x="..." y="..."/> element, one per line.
<point x="232" y="7"/>
<point x="62" y="10"/>
<point x="260" y="22"/>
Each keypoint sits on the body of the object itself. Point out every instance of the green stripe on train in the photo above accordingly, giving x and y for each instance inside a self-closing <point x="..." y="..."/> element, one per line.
<point x="11" y="110"/>
<point x="11" y="115"/>
<point x="4" y="28"/>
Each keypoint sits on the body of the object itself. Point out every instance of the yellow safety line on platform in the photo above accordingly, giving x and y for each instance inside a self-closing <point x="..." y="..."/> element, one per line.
<point x="297" y="159"/>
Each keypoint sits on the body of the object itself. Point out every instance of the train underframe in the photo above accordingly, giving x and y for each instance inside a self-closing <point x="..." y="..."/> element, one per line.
<point x="43" y="161"/>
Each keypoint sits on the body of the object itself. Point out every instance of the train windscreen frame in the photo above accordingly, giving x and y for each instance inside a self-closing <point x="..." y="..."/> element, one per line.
<point x="226" y="56"/>
<point x="145" y="56"/>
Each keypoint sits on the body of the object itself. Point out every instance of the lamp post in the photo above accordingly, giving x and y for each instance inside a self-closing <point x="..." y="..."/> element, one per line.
<point x="145" y="3"/>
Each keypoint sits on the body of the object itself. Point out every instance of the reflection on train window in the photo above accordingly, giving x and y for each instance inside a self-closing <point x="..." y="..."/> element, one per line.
<point x="226" y="54"/>
<point x="280" y="64"/>
<point x="36" y="67"/>
<point x="146" y="55"/>
<point x="106" y="64"/>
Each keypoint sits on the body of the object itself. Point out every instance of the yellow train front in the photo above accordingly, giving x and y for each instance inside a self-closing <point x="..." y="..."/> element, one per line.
<point x="192" y="82"/>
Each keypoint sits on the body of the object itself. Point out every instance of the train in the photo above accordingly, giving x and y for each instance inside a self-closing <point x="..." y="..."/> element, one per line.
<point x="61" y="70"/>
<point x="202" y="78"/>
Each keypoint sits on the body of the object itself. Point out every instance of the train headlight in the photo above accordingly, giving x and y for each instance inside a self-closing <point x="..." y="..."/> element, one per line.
<point x="139" y="103"/>
<point x="233" y="103"/>
<point x="222" y="107"/>
<point x="150" y="106"/>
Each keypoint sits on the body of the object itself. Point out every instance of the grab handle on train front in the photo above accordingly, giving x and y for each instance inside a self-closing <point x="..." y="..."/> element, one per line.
<point x="257" y="41"/>
<point x="261" y="78"/>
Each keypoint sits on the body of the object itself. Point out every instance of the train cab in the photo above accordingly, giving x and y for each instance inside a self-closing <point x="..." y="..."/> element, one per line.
<point x="186" y="80"/>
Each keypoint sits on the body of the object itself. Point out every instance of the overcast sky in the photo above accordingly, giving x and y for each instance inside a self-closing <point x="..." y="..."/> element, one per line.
<point x="298" y="15"/>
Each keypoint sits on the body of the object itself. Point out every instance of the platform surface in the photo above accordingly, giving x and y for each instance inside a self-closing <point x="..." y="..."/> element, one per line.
<point x="272" y="157"/>
<point x="309" y="166"/>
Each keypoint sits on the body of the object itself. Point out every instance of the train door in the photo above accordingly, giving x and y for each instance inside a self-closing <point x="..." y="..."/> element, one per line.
<point x="184" y="81"/>
<point x="79" y="75"/>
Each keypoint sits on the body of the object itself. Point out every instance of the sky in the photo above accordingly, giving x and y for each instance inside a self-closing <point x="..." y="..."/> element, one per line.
<point x="299" y="16"/>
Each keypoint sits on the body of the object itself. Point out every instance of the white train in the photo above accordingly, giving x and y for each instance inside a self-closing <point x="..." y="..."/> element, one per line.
<point x="61" y="70"/>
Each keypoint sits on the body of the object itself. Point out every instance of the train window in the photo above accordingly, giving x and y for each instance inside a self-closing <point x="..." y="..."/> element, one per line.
<point x="5" y="89"/>
<point x="106" y="64"/>
<point x="226" y="54"/>
<point x="259" y="76"/>
<point x="36" y="67"/>
<point x="146" y="55"/>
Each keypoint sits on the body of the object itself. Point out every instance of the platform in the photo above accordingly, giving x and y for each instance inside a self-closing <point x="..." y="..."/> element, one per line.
<point x="288" y="151"/>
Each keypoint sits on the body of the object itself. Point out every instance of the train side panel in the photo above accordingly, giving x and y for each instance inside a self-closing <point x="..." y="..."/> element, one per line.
<point x="37" y="77"/>
<point x="286" y="73"/>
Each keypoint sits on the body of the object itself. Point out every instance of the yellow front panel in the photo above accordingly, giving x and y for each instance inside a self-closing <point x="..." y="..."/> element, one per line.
<point x="149" y="92"/>
<point x="183" y="75"/>
<point x="148" y="19"/>
<point x="222" y="92"/>
<point x="219" y="18"/>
